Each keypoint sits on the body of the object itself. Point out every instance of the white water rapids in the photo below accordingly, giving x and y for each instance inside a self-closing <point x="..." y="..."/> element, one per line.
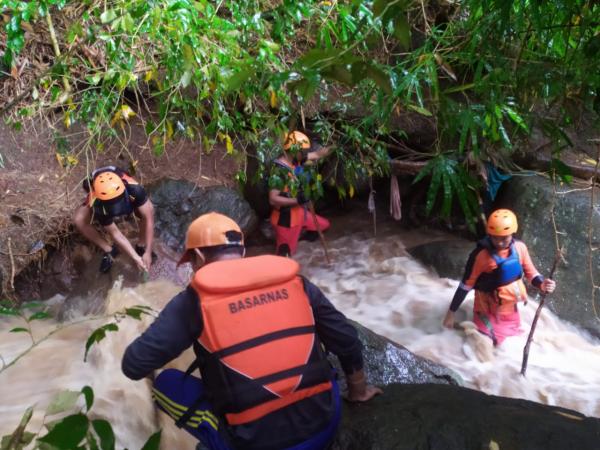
<point x="372" y="280"/>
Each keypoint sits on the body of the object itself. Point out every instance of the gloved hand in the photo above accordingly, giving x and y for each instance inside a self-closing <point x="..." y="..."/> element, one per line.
<point x="302" y="200"/>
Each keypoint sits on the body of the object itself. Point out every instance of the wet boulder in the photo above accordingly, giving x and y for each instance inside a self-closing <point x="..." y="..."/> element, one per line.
<point x="177" y="203"/>
<point x="447" y="258"/>
<point x="447" y="417"/>
<point x="531" y="199"/>
<point x="424" y="407"/>
<point x="387" y="362"/>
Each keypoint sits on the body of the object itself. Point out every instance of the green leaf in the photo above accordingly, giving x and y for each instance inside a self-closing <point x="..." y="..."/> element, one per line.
<point x="424" y="171"/>
<point x="153" y="442"/>
<point x="40" y="315"/>
<point x="339" y="73"/>
<point x="433" y="189"/>
<point x="515" y="117"/>
<point x="186" y="78"/>
<point x="464" y="87"/>
<point x="402" y="31"/>
<point x="562" y="170"/>
<point x="464" y="201"/>
<point x="6" y="310"/>
<point x="31" y="305"/>
<point x="127" y="23"/>
<point x="236" y="81"/>
<point x="379" y="7"/>
<point x="136" y="313"/>
<point x="380" y="78"/>
<point x="420" y="110"/>
<point x="19" y="330"/>
<point x="67" y="433"/>
<point x="188" y="56"/>
<point x="88" y="393"/>
<point x="319" y="57"/>
<point x="99" y="334"/>
<point x="305" y="89"/>
<point x="108" y="16"/>
<point x="359" y="71"/>
<point x="105" y="432"/>
<point x="19" y="438"/>
<point x="62" y="401"/>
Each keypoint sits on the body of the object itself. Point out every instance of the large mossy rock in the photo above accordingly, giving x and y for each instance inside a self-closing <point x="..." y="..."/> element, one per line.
<point x="177" y="203"/>
<point x="446" y="417"/>
<point x="531" y="199"/>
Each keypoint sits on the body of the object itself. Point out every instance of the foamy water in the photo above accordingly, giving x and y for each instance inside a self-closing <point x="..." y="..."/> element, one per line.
<point x="373" y="281"/>
<point x="376" y="282"/>
<point x="57" y="364"/>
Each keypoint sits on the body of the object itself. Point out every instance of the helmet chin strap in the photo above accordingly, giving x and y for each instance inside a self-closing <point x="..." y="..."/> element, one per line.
<point x="200" y="255"/>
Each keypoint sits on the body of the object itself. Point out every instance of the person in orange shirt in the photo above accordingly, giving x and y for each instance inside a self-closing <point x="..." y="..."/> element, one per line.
<point x="290" y="215"/>
<point x="495" y="269"/>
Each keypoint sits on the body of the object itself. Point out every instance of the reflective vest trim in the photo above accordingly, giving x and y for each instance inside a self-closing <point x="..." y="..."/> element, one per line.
<point x="262" y="410"/>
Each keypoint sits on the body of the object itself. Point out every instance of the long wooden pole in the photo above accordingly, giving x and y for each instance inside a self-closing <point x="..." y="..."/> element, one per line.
<point x="537" y="316"/>
<point x="311" y="206"/>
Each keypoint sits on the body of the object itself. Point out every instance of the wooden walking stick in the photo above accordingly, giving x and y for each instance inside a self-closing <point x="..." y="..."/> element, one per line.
<point x="537" y="316"/>
<point x="311" y="206"/>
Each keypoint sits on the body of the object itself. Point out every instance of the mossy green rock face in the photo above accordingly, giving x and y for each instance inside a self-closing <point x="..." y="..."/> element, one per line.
<point x="578" y="224"/>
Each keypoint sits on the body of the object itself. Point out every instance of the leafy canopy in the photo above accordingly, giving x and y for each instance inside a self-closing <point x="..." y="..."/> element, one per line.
<point x="242" y="72"/>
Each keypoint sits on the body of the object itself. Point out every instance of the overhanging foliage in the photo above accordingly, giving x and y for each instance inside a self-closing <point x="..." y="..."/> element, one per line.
<point x="244" y="71"/>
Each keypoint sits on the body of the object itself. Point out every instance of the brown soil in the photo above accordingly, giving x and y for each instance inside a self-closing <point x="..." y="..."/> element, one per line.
<point x="38" y="195"/>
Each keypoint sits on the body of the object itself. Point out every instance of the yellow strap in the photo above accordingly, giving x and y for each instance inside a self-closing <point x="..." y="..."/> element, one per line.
<point x="176" y="410"/>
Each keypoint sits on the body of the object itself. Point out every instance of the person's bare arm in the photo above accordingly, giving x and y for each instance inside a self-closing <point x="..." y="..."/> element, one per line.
<point x="124" y="244"/>
<point x="312" y="157"/>
<point x="277" y="200"/>
<point x="146" y="212"/>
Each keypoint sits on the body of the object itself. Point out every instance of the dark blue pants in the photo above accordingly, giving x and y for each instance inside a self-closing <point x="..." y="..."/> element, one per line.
<point x="174" y="393"/>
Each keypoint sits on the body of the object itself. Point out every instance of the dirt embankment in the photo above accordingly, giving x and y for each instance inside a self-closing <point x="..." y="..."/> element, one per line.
<point x="39" y="192"/>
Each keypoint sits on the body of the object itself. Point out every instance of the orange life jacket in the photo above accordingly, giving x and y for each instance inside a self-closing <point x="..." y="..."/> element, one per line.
<point x="258" y="351"/>
<point x="499" y="291"/>
<point x="296" y="213"/>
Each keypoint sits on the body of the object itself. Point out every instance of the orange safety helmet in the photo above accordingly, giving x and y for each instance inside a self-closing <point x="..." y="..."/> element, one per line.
<point x="296" y="137"/>
<point x="210" y="230"/>
<point x="502" y="222"/>
<point x="108" y="185"/>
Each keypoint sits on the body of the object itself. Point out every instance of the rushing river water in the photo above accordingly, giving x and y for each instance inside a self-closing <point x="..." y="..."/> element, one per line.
<point x="372" y="280"/>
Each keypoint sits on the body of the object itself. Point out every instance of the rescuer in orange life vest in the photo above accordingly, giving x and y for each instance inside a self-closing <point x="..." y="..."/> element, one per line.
<point x="113" y="193"/>
<point x="495" y="270"/>
<point x="290" y="216"/>
<point x="258" y="331"/>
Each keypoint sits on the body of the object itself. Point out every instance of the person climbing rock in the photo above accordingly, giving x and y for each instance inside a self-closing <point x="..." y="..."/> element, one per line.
<point x="113" y="193"/>
<point x="258" y="331"/>
<point x="495" y="269"/>
<point x="290" y="216"/>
